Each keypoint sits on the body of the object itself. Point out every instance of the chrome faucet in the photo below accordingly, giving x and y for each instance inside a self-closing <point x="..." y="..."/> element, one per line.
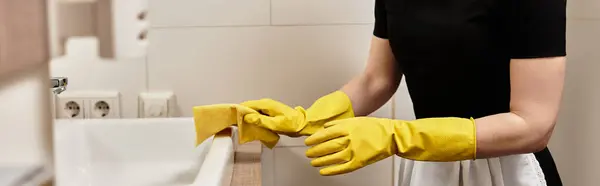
<point x="58" y="84"/>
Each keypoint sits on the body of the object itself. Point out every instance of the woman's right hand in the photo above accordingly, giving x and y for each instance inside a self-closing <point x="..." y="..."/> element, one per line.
<point x="295" y="122"/>
<point x="276" y="116"/>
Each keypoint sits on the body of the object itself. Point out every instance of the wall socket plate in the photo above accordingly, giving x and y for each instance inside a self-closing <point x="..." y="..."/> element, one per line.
<point x="156" y="105"/>
<point x="88" y="105"/>
<point x="69" y="107"/>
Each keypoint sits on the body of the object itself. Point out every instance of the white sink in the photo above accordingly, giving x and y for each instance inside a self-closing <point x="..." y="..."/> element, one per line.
<point x="139" y="152"/>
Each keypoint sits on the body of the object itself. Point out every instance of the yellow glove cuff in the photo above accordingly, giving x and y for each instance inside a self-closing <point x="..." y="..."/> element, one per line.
<point x="436" y="139"/>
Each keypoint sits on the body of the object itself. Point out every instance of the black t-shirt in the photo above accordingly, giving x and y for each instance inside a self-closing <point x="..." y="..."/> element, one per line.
<point x="455" y="54"/>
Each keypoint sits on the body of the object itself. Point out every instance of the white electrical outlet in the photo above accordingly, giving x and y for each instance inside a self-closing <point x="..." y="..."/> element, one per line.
<point x="104" y="105"/>
<point x="157" y="105"/>
<point x="67" y="107"/>
<point x="88" y="104"/>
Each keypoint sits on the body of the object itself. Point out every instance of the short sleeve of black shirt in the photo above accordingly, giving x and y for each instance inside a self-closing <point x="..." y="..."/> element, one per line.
<point x="538" y="28"/>
<point x="380" y="29"/>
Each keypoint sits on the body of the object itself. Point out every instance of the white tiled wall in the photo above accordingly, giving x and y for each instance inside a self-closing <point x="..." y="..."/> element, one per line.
<point x="225" y="64"/>
<point x="213" y="51"/>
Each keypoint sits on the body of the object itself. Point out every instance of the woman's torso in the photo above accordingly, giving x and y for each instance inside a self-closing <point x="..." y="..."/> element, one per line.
<point x="455" y="56"/>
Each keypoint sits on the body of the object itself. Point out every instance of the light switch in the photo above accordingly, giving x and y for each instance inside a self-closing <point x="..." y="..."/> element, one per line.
<point x="157" y="105"/>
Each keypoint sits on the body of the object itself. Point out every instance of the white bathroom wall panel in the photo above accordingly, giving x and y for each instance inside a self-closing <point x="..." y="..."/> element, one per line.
<point x="320" y="12"/>
<point x="295" y="65"/>
<point x="190" y="13"/>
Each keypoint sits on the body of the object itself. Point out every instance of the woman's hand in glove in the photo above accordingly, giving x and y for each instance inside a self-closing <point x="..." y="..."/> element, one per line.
<point x="277" y="117"/>
<point x="350" y="144"/>
<point x="296" y="122"/>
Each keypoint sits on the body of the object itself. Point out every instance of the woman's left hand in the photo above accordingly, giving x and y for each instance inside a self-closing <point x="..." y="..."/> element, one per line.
<point x="350" y="144"/>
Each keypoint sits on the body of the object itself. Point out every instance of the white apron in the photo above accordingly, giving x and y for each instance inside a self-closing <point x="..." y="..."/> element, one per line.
<point x="515" y="170"/>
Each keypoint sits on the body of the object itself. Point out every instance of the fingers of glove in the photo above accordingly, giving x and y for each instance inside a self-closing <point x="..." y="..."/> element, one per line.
<point x="338" y="169"/>
<point x="333" y="159"/>
<point x="269" y="107"/>
<point x="338" y="122"/>
<point x="256" y="118"/>
<point x="326" y="135"/>
<point x="328" y="147"/>
<point x="272" y="123"/>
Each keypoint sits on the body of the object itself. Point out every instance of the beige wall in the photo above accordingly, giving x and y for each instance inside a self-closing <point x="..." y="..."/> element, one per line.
<point x="574" y="142"/>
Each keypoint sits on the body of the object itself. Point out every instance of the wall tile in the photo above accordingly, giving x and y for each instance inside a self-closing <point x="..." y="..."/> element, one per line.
<point x="211" y="65"/>
<point x="183" y="13"/>
<point x="231" y="65"/>
<point x="583" y="9"/>
<point x="293" y="12"/>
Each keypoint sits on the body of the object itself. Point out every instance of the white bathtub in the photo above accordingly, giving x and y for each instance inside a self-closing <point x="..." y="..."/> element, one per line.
<point x="139" y="152"/>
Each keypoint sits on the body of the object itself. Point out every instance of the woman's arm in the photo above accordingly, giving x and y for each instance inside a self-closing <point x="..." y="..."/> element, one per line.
<point x="537" y="72"/>
<point x="536" y="90"/>
<point x="377" y="84"/>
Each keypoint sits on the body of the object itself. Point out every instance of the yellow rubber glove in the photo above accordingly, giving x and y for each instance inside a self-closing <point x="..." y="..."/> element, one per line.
<point x="296" y="122"/>
<point x="211" y="119"/>
<point x="349" y="144"/>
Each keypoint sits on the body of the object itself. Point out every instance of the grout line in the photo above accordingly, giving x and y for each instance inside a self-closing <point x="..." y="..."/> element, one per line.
<point x="253" y="26"/>
<point x="271" y="12"/>
<point x="147" y="71"/>
<point x="582" y="19"/>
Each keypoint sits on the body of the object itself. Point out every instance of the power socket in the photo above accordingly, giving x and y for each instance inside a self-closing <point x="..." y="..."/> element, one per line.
<point x="104" y="105"/>
<point x="88" y="104"/>
<point x="156" y="105"/>
<point x="67" y="107"/>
